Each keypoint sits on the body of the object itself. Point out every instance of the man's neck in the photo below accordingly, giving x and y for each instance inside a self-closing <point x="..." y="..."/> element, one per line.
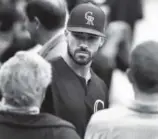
<point x="145" y="97"/>
<point x="80" y="70"/>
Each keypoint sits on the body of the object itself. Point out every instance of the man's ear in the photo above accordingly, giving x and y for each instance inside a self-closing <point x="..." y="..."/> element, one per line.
<point x="102" y="41"/>
<point x="66" y="35"/>
<point x="37" y="21"/>
<point x="130" y="76"/>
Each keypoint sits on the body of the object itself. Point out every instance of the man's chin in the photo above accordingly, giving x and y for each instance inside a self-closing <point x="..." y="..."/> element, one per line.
<point x="82" y="62"/>
<point x="78" y="60"/>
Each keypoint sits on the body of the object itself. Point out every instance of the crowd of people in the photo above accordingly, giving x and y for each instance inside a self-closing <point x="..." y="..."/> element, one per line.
<point x="57" y="62"/>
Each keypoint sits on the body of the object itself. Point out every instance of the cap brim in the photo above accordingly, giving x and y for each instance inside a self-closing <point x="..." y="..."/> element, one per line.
<point x="86" y="30"/>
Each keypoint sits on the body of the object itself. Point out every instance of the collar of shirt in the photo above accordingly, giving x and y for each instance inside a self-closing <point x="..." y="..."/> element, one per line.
<point x="88" y="77"/>
<point x="36" y="48"/>
<point x="143" y="107"/>
<point x="84" y="80"/>
<point x="26" y="110"/>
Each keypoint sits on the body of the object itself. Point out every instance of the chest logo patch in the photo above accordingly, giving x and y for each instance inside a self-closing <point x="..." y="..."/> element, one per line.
<point x="98" y="103"/>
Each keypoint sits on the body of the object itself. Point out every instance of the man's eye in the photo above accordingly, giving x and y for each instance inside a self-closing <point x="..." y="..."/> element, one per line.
<point x="92" y="37"/>
<point x="78" y="35"/>
<point x="82" y="36"/>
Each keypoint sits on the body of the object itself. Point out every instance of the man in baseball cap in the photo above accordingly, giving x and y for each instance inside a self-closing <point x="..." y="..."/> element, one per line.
<point x="85" y="31"/>
<point x="76" y="88"/>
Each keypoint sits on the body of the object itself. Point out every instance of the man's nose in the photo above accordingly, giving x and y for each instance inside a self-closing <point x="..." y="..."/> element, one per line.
<point x="83" y="46"/>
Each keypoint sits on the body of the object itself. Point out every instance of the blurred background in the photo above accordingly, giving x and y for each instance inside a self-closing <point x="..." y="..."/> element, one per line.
<point x="145" y="29"/>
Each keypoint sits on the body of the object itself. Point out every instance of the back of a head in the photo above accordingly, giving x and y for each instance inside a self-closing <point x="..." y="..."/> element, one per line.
<point x="51" y="13"/>
<point x="144" y="66"/>
<point x="24" y="78"/>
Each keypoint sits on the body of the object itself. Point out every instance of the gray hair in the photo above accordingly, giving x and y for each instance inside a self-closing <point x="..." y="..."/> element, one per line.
<point x="24" y="78"/>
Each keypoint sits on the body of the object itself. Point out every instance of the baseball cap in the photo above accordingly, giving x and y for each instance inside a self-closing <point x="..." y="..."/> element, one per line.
<point x="87" y="18"/>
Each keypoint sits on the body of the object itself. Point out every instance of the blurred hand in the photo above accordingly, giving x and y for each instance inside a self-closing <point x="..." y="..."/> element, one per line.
<point x="117" y="30"/>
<point x="116" y="33"/>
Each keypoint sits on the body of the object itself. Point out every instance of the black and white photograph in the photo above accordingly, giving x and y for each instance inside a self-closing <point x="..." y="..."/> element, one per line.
<point x="78" y="69"/>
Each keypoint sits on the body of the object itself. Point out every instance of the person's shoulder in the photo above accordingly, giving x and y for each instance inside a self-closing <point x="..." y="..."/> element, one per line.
<point x="101" y="122"/>
<point x="109" y="115"/>
<point x="98" y="80"/>
<point x="60" y="128"/>
<point x="54" y="121"/>
<point x="56" y="64"/>
<point x="96" y="77"/>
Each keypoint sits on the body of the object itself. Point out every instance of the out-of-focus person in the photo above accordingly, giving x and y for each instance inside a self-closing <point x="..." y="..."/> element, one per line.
<point x="129" y="11"/>
<point x="13" y="34"/>
<point x="56" y="46"/>
<point x="138" y="118"/>
<point x="23" y="81"/>
<point x="76" y="92"/>
<point x="115" y="51"/>
<point x="47" y="18"/>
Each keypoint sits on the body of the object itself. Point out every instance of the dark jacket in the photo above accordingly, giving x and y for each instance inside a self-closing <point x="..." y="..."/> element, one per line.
<point x="70" y="98"/>
<point x="41" y="126"/>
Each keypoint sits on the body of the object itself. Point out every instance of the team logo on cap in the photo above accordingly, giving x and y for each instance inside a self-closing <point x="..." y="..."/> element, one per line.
<point x="89" y="17"/>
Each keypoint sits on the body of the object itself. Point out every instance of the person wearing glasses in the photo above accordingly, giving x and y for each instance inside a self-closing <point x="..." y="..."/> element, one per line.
<point x="76" y="92"/>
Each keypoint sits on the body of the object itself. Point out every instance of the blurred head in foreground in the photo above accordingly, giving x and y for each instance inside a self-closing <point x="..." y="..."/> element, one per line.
<point x="24" y="79"/>
<point x="143" y="71"/>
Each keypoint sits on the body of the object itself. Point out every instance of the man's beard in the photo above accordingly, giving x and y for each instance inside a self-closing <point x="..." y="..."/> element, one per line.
<point x="80" y="62"/>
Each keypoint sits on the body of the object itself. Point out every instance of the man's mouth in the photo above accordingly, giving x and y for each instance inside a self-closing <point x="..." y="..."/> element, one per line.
<point x="82" y="54"/>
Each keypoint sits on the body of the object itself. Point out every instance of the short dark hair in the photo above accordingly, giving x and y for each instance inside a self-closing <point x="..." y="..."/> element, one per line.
<point x="144" y="65"/>
<point x="50" y="15"/>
